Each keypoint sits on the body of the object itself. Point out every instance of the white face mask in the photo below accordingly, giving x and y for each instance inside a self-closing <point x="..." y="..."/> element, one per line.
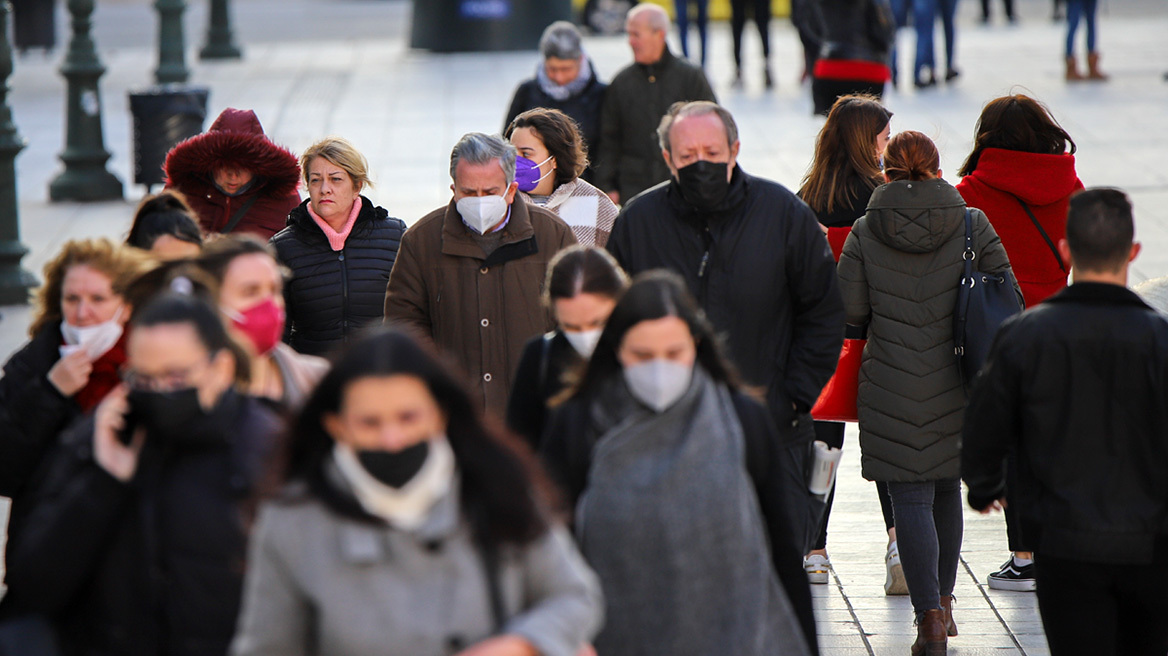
<point x="584" y="341"/>
<point x="96" y="340"/>
<point x="481" y="213"/>
<point x="658" y="383"/>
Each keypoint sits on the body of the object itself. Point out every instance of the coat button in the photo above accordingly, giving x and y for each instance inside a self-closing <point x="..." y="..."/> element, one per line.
<point x="433" y="546"/>
<point x="487" y="377"/>
<point x="455" y="643"/>
<point x="485" y="323"/>
<point x="652" y="78"/>
<point x="484" y="270"/>
<point x="341" y="257"/>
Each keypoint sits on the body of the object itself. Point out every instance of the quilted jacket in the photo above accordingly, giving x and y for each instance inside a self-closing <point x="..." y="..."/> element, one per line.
<point x="899" y="274"/>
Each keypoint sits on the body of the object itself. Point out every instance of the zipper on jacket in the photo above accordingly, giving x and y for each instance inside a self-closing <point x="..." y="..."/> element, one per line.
<point x="708" y="240"/>
<point x="344" y="295"/>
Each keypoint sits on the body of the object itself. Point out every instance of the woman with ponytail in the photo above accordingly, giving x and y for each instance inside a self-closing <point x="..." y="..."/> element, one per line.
<point x="899" y="274"/>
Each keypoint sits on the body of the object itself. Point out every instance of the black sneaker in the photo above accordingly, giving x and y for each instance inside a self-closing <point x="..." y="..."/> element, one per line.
<point x="1013" y="577"/>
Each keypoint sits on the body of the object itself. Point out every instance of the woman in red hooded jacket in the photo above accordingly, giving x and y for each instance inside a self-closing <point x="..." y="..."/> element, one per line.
<point x="1022" y="176"/>
<point x="1020" y="166"/>
<point x="234" y="178"/>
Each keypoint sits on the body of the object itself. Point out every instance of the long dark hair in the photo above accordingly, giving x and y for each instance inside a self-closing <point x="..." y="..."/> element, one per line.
<point x="503" y="492"/>
<point x="654" y="295"/>
<point x="1017" y="122"/>
<point x="164" y="213"/>
<point x="845" y="151"/>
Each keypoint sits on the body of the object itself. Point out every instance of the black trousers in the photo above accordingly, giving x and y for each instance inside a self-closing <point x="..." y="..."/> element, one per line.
<point x="762" y="20"/>
<point x="1103" y="609"/>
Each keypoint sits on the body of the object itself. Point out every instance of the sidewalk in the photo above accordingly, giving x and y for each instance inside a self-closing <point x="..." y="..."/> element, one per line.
<point x="313" y="68"/>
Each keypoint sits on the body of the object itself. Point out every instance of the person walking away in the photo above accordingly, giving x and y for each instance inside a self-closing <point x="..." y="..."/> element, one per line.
<point x="855" y="38"/>
<point x="1083" y="10"/>
<point x="838" y="185"/>
<point x="1075" y="389"/>
<point x="761" y="12"/>
<point x="899" y="272"/>
<point x="1021" y="173"/>
<point x="702" y="18"/>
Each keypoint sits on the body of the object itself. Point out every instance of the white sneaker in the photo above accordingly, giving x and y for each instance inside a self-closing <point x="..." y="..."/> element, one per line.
<point x="817" y="568"/>
<point x="894" y="583"/>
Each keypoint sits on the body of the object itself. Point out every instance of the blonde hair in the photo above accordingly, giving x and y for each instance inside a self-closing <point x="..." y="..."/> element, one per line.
<point x="121" y="264"/>
<point x="340" y="152"/>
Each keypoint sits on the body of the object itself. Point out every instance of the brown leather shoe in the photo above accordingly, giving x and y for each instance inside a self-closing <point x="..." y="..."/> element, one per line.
<point x="947" y="606"/>
<point x="931" y="638"/>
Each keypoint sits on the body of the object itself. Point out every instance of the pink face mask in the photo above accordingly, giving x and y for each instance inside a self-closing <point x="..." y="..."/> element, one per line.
<point x="263" y="323"/>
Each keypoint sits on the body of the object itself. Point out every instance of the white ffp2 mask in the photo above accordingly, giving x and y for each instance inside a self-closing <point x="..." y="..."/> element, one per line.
<point x="481" y="213"/>
<point x="658" y="383"/>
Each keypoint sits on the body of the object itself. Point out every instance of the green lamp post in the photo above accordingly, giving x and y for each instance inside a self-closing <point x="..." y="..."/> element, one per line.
<point x="85" y="177"/>
<point x="172" y="65"/>
<point x="14" y="280"/>
<point x="220" y="43"/>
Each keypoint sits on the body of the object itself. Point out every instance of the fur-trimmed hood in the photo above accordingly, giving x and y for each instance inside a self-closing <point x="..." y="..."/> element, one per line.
<point x="235" y="139"/>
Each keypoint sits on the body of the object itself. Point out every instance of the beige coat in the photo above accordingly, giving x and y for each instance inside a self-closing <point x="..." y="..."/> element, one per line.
<point x="479" y="310"/>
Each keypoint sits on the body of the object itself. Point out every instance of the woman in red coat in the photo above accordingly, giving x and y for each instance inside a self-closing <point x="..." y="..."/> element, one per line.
<point x="234" y="178"/>
<point x="1022" y="176"/>
<point x="1020" y="161"/>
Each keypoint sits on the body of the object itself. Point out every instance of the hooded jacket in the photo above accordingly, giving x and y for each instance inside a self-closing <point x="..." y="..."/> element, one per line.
<point x="1045" y="183"/>
<point x="762" y="271"/>
<point x="236" y="140"/>
<point x="630" y="159"/>
<point x="480" y="309"/>
<point x="899" y="274"/>
<point x="333" y="294"/>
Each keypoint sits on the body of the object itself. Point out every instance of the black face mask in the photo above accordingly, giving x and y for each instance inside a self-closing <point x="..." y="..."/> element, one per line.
<point x="397" y="468"/>
<point x="175" y="417"/>
<point x="703" y="184"/>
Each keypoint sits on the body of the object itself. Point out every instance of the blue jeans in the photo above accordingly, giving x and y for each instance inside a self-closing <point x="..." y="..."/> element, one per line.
<point x="929" y="526"/>
<point x="682" y="9"/>
<point x="900" y="18"/>
<point x="1075" y="10"/>
<point x="924" y="16"/>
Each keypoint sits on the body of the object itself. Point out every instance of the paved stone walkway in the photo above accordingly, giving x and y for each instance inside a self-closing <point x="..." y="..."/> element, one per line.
<point x="313" y="68"/>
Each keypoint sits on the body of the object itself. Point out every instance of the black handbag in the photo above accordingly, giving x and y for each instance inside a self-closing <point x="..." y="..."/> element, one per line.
<point x="984" y="301"/>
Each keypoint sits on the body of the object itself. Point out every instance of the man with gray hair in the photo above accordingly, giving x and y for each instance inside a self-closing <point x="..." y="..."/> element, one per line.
<point x="629" y="160"/>
<point x="565" y="80"/>
<point x="755" y="258"/>
<point x="468" y="276"/>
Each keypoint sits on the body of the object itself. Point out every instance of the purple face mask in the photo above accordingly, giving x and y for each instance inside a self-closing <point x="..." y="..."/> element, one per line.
<point x="527" y="173"/>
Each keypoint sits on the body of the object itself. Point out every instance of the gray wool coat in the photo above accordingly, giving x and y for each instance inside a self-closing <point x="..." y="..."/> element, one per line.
<point x="899" y="274"/>
<point x="323" y="584"/>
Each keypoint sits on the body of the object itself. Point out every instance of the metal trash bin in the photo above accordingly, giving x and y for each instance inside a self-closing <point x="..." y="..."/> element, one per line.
<point x="34" y="24"/>
<point x="477" y="25"/>
<point x="163" y="116"/>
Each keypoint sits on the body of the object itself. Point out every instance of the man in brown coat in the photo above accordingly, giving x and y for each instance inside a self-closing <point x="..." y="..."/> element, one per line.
<point x="469" y="275"/>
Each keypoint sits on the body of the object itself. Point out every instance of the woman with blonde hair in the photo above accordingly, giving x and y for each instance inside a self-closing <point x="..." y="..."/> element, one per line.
<point x="899" y="274"/>
<point x="340" y="248"/>
<point x="76" y="350"/>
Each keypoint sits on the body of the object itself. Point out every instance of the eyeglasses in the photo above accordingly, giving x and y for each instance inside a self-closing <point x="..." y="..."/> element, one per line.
<point x="168" y="381"/>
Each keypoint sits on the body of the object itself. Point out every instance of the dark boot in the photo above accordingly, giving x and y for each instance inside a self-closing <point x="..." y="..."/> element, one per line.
<point x="947" y="606"/>
<point x="931" y="638"/>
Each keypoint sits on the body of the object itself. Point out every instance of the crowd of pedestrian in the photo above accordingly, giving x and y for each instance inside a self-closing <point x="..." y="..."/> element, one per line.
<point x="574" y="411"/>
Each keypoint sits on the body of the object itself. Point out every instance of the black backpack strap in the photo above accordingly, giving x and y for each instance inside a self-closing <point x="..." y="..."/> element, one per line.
<point x="1045" y="237"/>
<point x="489" y="553"/>
<point x="967" y="255"/>
<point x="240" y="213"/>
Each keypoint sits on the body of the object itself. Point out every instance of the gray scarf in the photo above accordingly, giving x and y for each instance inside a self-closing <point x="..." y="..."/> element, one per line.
<point x="670" y="521"/>
<point x="558" y="92"/>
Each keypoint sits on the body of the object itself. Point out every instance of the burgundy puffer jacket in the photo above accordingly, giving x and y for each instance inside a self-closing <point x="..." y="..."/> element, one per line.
<point x="236" y="140"/>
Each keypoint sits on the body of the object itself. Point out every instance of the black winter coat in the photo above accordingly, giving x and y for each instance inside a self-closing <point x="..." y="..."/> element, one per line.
<point x="629" y="160"/>
<point x="583" y="107"/>
<point x="32" y="411"/>
<point x="567" y="451"/>
<point x="538" y="379"/>
<point x="762" y="271"/>
<point x="860" y="30"/>
<point x="154" y="566"/>
<point x="1077" y="388"/>
<point x="333" y="294"/>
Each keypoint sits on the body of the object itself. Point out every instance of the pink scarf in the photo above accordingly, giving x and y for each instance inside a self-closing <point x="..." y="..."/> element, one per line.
<point x="337" y="239"/>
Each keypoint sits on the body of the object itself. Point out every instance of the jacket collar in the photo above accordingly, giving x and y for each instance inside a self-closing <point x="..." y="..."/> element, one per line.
<point x="1098" y="293"/>
<point x="458" y="241"/>
<point x="658" y="67"/>
<point x="300" y="217"/>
